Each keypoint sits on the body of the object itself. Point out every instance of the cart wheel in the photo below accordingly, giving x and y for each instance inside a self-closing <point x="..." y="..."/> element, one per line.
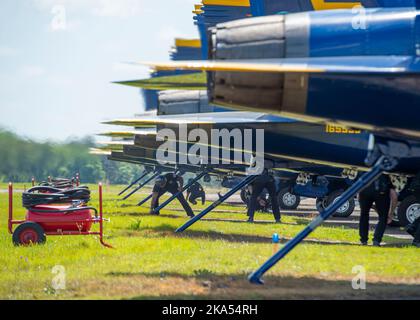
<point x="28" y="233"/>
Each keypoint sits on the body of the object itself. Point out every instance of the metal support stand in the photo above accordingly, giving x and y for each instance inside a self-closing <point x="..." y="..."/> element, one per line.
<point x="142" y="185"/>
<point x="145" y="200"/>
<point x="239" y="186"/>
<point x="173" y="197"/>
<point x="101" y="220"/>
<point x="10" y="220"/>
<point x="382" y="165"/>
<point x="134" y="182"/>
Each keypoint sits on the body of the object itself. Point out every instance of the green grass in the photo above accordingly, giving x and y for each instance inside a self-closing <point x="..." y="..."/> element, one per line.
<point x="211" y="260"/>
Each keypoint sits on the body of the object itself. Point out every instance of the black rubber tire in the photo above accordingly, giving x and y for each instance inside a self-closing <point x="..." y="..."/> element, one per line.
<point x="352" y="204"/>
<point x="403" y="215"/>
<point x="26" y="226"/>
<point x="286" y="206"/>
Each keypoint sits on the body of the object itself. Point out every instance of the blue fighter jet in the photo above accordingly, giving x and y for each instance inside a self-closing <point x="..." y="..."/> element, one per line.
<point x="327" y="61"/>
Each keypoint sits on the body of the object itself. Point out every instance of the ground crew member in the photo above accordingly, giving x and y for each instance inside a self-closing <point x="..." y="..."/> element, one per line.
<point x="196" y="191"/>
<point x="264" y="181"/>
<point x="172" y="183"/>
<point x="263" y="201"/>
<point x="379" y="193"/>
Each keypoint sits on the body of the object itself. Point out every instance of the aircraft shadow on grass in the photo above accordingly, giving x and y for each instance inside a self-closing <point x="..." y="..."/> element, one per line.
<point x="284" y="287"/>
<point x="168" y="229"/>
<point x="236" y="238"/>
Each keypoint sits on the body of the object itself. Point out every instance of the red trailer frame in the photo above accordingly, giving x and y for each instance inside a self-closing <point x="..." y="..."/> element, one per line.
<point x="93" y="219"/>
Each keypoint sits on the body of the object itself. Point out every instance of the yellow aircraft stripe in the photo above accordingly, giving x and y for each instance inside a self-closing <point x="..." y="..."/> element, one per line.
<point x="230" y="3"/>
<point x="193" y="43"/>
<point x="197" y="8"/>
<point x="324" y="5"/>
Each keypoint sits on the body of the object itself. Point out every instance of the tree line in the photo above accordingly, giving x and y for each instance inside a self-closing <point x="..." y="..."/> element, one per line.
<point x="21" y="159"/>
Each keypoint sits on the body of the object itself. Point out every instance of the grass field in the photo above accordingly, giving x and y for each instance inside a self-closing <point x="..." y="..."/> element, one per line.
<point x="211" y="260"/>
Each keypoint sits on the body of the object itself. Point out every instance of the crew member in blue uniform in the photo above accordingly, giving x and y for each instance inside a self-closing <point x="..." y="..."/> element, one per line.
<point x="377" y="193"/>
<point x="196" y="191"/>
<point x="264" y="181"/>
<point x="171" y="183"/>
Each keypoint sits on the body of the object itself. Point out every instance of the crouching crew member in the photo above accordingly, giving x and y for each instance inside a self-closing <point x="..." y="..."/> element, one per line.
<point x="196" y="191"/>
<point x="264" y="181"/>
<point x="379" y="193"/>
<point x="171" y="183"/>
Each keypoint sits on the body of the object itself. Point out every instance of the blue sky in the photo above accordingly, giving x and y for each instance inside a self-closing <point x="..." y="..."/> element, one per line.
<point x="58" y="57"/>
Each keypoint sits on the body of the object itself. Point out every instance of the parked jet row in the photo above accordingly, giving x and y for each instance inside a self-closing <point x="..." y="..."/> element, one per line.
<point x="332" y="89"/>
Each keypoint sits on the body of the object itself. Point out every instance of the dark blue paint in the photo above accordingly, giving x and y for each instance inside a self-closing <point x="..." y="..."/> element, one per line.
<point x="387" y="32"/>
<point x="268" y="7"/>
<point x="386" y="102"/>
<point x="309" y="141"/>
<point x="150" y="98"/>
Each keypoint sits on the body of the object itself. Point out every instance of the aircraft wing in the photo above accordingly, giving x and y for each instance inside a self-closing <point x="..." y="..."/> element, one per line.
<point x="203" y="118"/>
<point x="113" y="145"/>
<point x="194" y="81"/>
<point x="383" y="83"/>
<point x="128" y="134"/>
<point x="99" y="152"/>
<point x="334" y="65"/>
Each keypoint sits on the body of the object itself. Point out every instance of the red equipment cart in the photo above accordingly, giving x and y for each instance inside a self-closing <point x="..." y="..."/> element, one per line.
<point x="55" y="220"/>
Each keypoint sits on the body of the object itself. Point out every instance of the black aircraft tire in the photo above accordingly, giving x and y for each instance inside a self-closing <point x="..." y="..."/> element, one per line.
<point x="407" y="210"/>
<point x="287" y="200"/>
<point x="350" y="205"/>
